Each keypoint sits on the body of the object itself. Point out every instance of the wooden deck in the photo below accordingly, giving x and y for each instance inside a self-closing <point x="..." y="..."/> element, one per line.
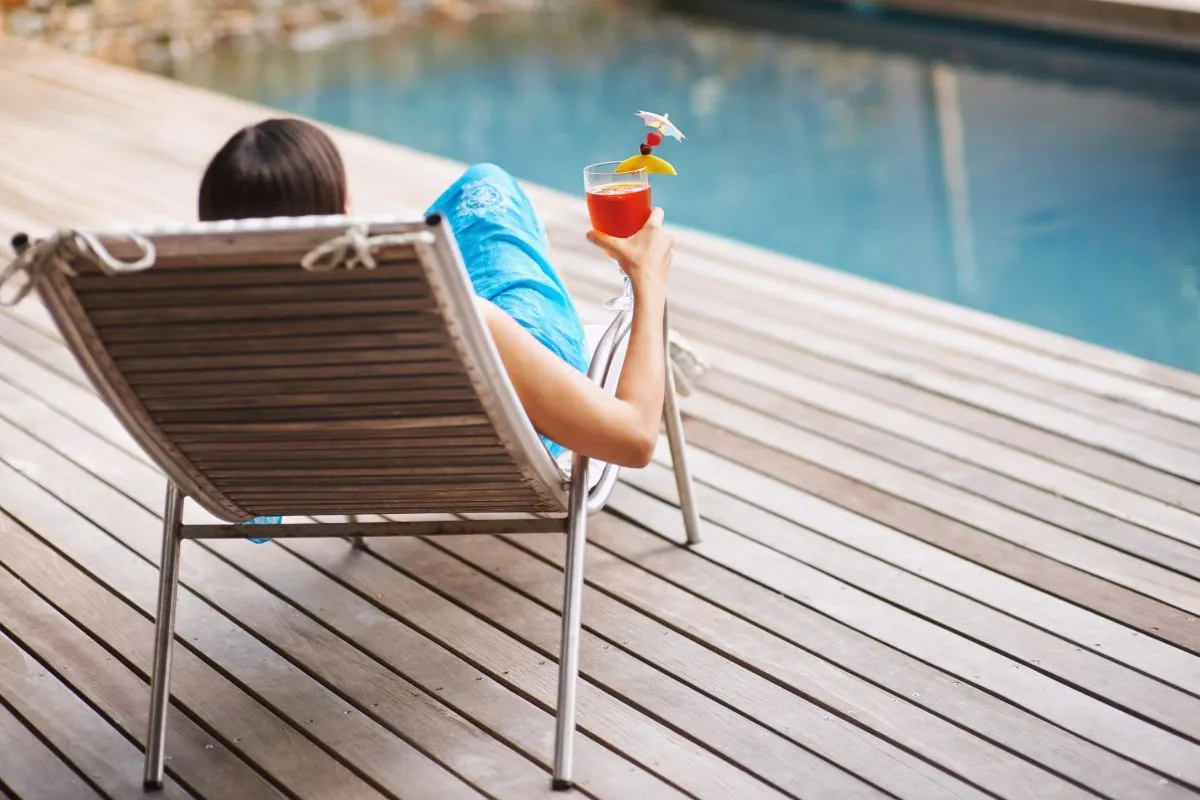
<point x="945" y="556"/>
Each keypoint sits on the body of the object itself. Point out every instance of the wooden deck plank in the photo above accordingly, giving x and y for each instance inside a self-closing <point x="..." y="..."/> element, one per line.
<point x="729" y="298"/>
<point x="1000" y="521"/>
<point x="760" y="508"/>
<point x="122" y="695"/>
<point x="83" y="737"/>
<point x="33" y="343"/>
<point x="31" y="770"/>
<point x="238" y="719"/>
<point x="126" y="518"/>
<point x="1175" y="553"/>
<point x="525" y="724"/>
<point x="36" y="316"/>
<point x="753" y="384"/>
<point x="825" y="637"/>
<point x="1143" y="613"/>
<point x="841" y="314"/>
<point x="995" y="452"/>
<point x="67" y="398"/>
<point x="856" y="724"/>
<point x="1111" y="469"/>
<point x="349" y="729"/>
<point x="1019" y="490"/>
<point x="610" y="720"/>
<point x="753" y="261"/>
<point x="1081" y="714"/>
<point x="671" y="695"/>
<point x="1072" y="664"/>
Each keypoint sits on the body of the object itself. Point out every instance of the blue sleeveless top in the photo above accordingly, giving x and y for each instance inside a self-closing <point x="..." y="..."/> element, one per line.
<point x="507" y="256"/>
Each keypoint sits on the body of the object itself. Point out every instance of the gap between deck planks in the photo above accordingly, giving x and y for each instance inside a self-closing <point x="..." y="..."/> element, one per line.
<point x="31" y="769"/>
<point x="85" y="739"/>
<point x="759" y="628"/>
<point x="118" y="692"/>
<point x="847" y="546"/>
<point x="1091" y="718"/>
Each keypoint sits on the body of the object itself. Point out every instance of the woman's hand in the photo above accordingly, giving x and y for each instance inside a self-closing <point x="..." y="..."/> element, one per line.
<point x="645" y="257"/>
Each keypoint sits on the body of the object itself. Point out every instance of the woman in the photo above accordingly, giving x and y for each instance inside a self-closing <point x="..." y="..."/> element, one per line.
<point x="287" y="167"/>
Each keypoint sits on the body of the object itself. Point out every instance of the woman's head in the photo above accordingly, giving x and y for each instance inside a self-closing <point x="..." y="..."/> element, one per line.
<point x="277" y="168"/>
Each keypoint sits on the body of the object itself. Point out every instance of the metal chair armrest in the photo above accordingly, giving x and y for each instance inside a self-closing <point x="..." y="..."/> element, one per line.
<point x="600" y="371"/>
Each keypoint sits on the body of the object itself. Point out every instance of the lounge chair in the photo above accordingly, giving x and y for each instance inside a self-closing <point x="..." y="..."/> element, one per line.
<point x="264" y="388"/>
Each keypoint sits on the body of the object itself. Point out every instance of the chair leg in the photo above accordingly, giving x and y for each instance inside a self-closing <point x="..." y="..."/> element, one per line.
<point x="683" y="476"/>
<point x="568" y="664"/>
<point x="164" y="634"/>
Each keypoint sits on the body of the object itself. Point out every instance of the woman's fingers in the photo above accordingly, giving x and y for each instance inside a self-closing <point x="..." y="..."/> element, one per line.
<point x="627" y="249"/>
<point x="610" y="244"/>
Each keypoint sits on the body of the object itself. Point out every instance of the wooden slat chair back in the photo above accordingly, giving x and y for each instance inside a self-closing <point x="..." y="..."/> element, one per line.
<point x="319" y="366"/>
<point x="263" y="388"/>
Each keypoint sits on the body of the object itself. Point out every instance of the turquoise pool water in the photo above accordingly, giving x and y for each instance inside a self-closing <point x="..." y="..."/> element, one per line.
<point x="1050" y="182"/>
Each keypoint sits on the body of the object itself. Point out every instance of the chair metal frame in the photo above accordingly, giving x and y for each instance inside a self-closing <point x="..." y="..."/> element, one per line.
<point x="582" y="503"/>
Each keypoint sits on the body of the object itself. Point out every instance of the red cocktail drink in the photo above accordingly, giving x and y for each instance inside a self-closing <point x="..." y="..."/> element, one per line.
<point x="619" y="209"/>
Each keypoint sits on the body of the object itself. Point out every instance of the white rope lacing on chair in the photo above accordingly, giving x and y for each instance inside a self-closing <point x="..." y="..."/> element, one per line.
<point x="58" y="251"/>
<point x="357" y="248"/>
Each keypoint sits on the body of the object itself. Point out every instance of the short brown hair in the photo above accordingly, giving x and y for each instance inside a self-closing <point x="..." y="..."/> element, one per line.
<point x="277" y="168"/>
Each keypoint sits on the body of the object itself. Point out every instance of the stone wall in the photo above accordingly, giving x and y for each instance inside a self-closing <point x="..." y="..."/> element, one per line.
<point x="150" y="32"/>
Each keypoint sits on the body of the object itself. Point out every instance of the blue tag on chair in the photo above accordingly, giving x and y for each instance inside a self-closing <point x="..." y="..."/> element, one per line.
<point x="262" y="521"/>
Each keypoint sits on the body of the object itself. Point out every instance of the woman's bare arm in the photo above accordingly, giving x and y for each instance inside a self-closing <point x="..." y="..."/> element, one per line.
<point x="564" y="404"/>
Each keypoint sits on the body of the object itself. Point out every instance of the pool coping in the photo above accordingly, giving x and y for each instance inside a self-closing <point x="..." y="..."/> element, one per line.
<point x="1172" y="25"/>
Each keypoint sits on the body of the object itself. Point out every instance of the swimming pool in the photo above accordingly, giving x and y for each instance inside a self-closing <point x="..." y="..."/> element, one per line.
<point x="1050" y="182"/>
